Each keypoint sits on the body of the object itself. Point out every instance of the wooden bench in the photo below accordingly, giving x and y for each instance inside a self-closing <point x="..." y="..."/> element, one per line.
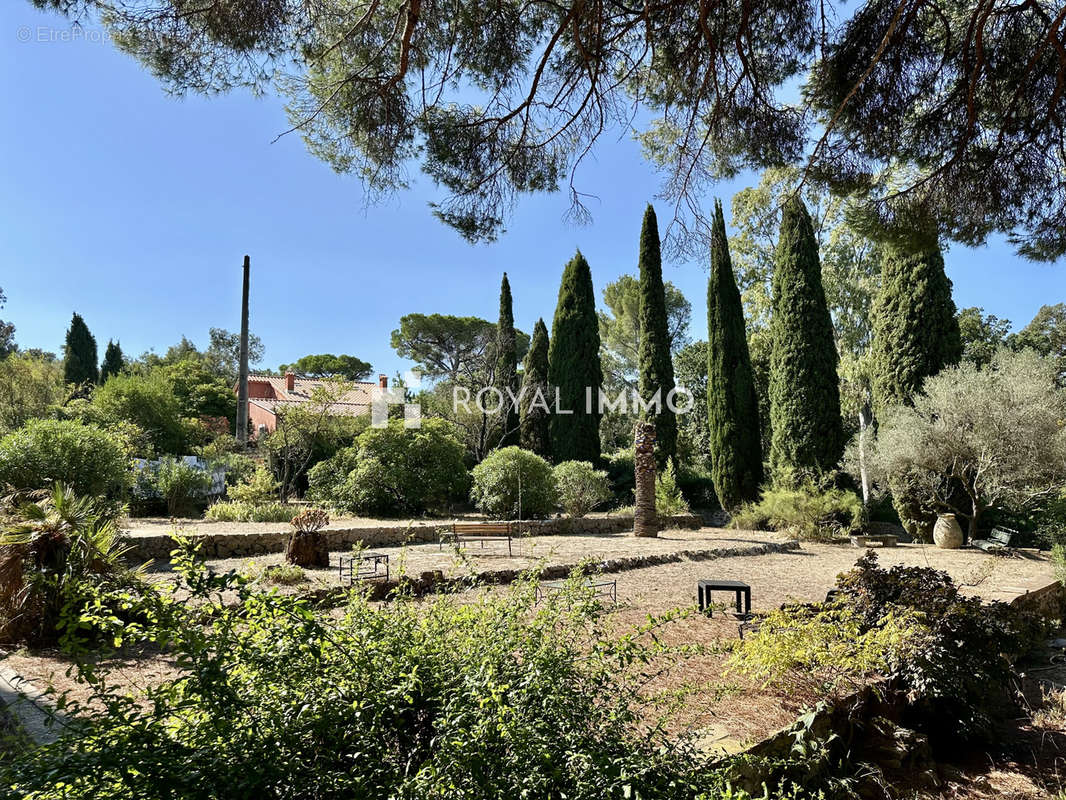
<point x="998" y="541"/>
<point x="884" y="539"/>
<point x="477" y="532"/>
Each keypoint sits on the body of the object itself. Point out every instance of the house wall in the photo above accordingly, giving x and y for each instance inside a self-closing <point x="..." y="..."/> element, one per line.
<point x="261" y="416"/>
<point x="260" y="389"/>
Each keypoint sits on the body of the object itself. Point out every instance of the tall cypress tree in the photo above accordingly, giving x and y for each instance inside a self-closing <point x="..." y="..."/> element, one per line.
<point x="114" y="361"/>
<point x="732" y="402"/>
<point x="536" y="398"/>
<point x="807" y="434"/>
<point x="915" y="329"/>
<point x="574" y="372"/>
<point x="654" y="361"/>
<point x="79" y="354"/>
<point x="507" y="366"/>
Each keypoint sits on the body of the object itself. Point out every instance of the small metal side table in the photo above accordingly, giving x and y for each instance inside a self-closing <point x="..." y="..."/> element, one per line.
<point x="365" y="566"/>
<point x="739" y="588"/>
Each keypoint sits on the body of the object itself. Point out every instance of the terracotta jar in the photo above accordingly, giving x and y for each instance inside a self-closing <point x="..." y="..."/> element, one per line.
<point x="947" y="533"/>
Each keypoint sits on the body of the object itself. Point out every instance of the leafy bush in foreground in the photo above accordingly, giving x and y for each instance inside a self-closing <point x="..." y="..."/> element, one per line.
<point x="84" y="458"/>
<point x="499" y="697"/>
<point x="512" y="483"/>
<point x="952" y="654"/>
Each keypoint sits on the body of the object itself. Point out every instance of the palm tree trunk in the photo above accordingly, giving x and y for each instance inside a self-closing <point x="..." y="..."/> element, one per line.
<point x="645" y="519"/>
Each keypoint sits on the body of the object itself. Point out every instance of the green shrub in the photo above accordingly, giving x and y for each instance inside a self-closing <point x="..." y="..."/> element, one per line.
<point x="284" y="574"/>
<point x="1058" y="561"/>
<point x="965" y="667"/>
<point x="44" y="452"/>
<point x="621" y="475"/>
<point x="182" y="486"/>
<point x="149" y="402"/>
<point x="697" y="488"/>
<point x="806" y="511"/>
<point x="580" y="487"/>
<point x="395" y="470"/>
<point x="232" y="511"/>
<point x="512" y="483"/>
<point x="669" y="501"/>
<point x="828" y="646"/>
<point x="238" y="466"/>
<point x="440" y="698"/>
<point x="259" y="488"/>
<point x="326" y="479"/>
<point x="52" y="552"/>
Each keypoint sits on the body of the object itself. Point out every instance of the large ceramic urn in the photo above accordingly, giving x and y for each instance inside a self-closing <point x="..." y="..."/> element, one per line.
<point x="947" y="533"/>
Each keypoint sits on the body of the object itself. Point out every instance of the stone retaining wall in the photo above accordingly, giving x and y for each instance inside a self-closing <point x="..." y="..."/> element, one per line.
<point x="241" y="545"/>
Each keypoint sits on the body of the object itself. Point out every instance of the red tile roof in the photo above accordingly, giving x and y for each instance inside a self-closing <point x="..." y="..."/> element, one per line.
<point x="353" y="402"/>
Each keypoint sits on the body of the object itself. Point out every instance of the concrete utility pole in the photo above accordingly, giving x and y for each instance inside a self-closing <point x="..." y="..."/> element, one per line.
<point x="242" y="381"/>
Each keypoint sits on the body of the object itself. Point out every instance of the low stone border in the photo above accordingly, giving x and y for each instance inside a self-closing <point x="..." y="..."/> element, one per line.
<point x="240" y="545"/>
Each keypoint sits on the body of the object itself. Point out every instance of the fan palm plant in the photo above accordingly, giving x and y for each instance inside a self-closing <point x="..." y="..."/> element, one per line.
<point x="50" y="542"/>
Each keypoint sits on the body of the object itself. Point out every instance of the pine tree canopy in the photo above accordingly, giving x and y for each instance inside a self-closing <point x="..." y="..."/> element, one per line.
<point x="655" y="363"/>
<point x="807" y="436"/>
<point x="916" y="331"/>
<point x="928" y="104"/>
<point x="732" y="402"/>
<point x="574" y="367"/>
<point x="79" y="354"/>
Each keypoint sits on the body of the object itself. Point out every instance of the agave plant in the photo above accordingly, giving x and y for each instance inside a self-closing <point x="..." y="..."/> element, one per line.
<point x="51" y="541"/>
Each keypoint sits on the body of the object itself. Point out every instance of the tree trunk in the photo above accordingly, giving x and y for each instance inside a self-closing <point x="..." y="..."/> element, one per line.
<point x="971" y="529"/>
<point x="865" y="420"/>
<point x="645" y="519"/>
<point x="307" y="549"/>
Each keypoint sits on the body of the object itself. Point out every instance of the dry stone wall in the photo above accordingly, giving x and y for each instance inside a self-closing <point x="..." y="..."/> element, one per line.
<point x="242" y="545"/>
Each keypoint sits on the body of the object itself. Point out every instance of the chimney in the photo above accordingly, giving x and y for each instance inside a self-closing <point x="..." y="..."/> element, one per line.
<point x="290" y="381"/>
<point x="383" y="381"/>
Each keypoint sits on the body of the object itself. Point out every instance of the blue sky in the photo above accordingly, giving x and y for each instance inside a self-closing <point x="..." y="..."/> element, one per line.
<point x="135" y="208"/>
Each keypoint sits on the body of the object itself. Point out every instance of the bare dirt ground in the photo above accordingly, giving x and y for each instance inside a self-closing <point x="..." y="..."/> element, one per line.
<point x="802" y="575"/>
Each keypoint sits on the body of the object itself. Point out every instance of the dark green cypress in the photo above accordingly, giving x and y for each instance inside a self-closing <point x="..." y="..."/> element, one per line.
<point x="507" y="366"/>
<point x="916" y="330"/>
<point x="79" y="354"/>
<point x="536" y="400"/>
<point x="114" y="361"/>
<point x="732" y="402"/>
<point x="654" y="361"/>
<point x="807" y="434"/>
<point x="574" y="367"/>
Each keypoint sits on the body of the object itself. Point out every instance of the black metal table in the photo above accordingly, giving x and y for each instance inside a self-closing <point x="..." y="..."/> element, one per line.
<point x="741" y="589"/>
<point x="363" y="566"/>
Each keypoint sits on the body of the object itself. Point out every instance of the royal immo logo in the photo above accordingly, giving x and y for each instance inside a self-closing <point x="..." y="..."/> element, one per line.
<point x="490" y="400"/>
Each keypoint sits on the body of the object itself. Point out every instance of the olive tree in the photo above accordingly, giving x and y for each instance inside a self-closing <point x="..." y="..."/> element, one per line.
<point x="977" y="439"/>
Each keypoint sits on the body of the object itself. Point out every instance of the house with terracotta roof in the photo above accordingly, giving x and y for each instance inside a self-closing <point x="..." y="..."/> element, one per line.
<point x="269" y="394"/>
